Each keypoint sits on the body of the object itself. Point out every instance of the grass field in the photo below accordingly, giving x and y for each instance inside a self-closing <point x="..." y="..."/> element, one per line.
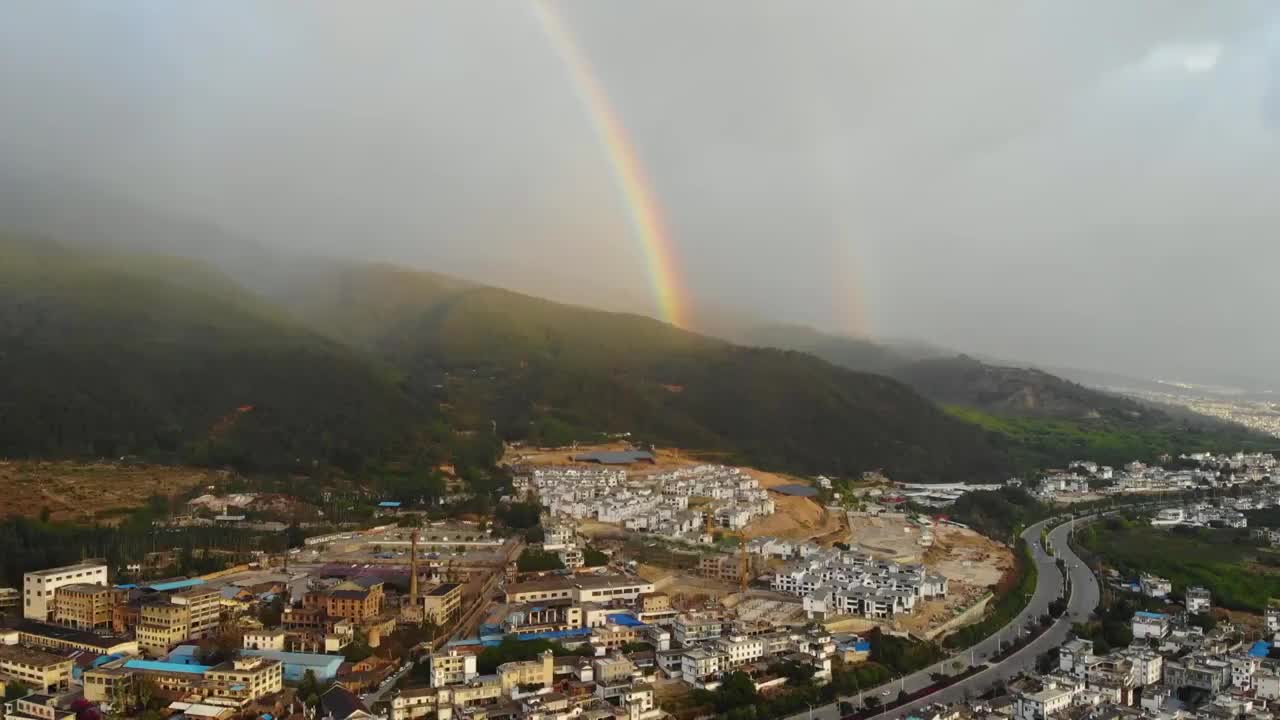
<point x="1240" y="574"/>
<point x="1045" y="442"/>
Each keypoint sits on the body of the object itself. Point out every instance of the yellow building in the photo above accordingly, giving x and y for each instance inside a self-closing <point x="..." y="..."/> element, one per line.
<point x="102" y="684"/>
<point x="83" y="605"/>
<point x="204" y="608"/>
<point x="530" y="672"/>
<point x="35" y="668"/>
<point x="57" y="637"/>
<point x="247" y="678"/>
<point x="450" y="667"/>
<point x="442" y="604"/>
<point x="162" y="625"/>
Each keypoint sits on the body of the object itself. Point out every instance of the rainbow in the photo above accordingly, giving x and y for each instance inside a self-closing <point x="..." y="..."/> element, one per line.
<point x="646" y="217"/>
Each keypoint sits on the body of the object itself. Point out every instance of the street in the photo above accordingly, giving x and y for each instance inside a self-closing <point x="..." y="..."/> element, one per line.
<point x="1084" y="598"/>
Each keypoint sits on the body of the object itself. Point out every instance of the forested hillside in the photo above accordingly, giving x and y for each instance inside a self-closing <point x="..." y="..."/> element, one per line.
<point x="105" y="355"/>
<point x="549" y="373"/>
<point x="1043" y="420"/>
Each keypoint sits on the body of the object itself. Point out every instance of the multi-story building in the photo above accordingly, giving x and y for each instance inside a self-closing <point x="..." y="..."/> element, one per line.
<point x="1199" y="600"/>
<point x="1154" y="586"/>
<point x="1149" y="625"/>
<point x="702" y="667"/>
<point x="60" y="638"/>
<point x="1273" y="617"/>
<point x="83" y="605"/>
<point x="721" y="566"/>
<point x="451" y="668"/>
<point x="1074" y="656"/>
<point x="442" y="604"/>
<point x="35" y="668"/>
<point x="36" y="705"/>
<point x="1042" y="705"/>
<point x="38" y="587"/>
<point x="204" y="606"/>
<point x="612" y="670"/>
<point x="263" y="639"/>
<point x="591" y="588"/>
<point x="10" y="601"/>
<point x="513" y="675"/>
<point x="1206" y="674"/>
<point x="696" y="627"/>
<point x="528" y="618"/>
<point x="655" y="607"/>
<point x="740" y="649"/>
<point x="247" y="678"/>
<point x="572" y="557"/>
<point x="351" y="599"/>
<point x="125" y="616"/>
<point x="162" y="625"/>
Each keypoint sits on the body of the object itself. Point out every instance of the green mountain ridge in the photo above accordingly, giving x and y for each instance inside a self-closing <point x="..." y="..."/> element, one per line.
<point x="548" y="372"/>
<point x="1043" y="420"/>
<point x="104" y="354"/>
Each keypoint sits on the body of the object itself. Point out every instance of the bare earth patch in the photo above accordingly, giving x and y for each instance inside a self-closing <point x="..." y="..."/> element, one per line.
<point x="102" y="491"/>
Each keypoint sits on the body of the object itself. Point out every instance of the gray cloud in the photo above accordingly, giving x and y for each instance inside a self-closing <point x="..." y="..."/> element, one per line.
<point x="1083" y="183"/>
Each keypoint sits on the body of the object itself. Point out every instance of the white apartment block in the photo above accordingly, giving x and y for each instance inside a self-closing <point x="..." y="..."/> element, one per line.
<point x="834" y="582"/>
<point x="655" y="503"/>
<point x="38" y="587"/>
<point x="1043" y="705"/>
<point x="741" y="650"/>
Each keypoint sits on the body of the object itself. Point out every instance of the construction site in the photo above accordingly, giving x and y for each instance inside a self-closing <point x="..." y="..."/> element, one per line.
<point x="729" y="568"/>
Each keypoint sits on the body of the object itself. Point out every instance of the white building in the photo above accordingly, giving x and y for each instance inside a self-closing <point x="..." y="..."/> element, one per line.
<point x="1153" y="586"/>
<point x="1042" y="705"/>
<point x="741" y="650"/>
<point x="38" y="587"/>
<point x="1198" y="600"/>
<point x="1150" y="625"/>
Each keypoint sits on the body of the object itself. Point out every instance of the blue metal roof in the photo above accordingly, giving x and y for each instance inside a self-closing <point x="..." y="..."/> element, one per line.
<point x="616" y="457"/>
<point x="177" y="585"/>
<point x="158" y="666"/>
<point x="796" y="490"/>
<point x="553" y="635"/>
<point x="1262" y="648"/>
<point x="625" y="620"/>
<point x="389" y="504"/>
<point x="1151" y="615"/>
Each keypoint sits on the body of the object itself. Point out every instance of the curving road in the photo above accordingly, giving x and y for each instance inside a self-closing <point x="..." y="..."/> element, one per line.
<point x="1049" y="586"/>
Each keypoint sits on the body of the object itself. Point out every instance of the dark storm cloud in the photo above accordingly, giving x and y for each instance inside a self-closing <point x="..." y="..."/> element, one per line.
<point x="1083" y="183"/>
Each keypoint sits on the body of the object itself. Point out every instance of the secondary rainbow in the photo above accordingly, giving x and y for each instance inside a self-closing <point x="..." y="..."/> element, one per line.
<point x="642" y="207"/>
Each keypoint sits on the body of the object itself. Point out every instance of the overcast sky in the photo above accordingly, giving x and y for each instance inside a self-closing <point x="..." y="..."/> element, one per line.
<point x="1083" y="183"/>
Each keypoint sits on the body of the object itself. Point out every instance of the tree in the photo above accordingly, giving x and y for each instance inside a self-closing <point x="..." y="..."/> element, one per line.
<point x="15" y="689"/>
<point x="535" y="560"/>
<point x="592" y="557"/>
<point x="271" y="613"/>
<point x="1205" y="621"/>
<point x="358" y="649"/>
<point x="520" y="515"/>
<point x="736" y="690"/>
<point x="309" y="688"/>
<point x="295" y="536"/>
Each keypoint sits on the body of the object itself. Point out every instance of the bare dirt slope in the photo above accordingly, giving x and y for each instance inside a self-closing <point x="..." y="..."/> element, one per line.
<point x="796" y="518"/>
<point x="90" y="491"/>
